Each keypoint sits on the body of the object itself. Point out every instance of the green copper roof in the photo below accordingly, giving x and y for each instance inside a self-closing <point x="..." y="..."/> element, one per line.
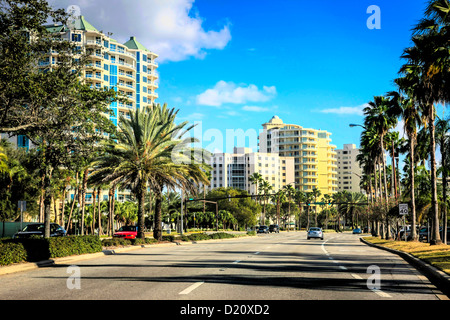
<point x="135" y="45"/>
<point x="82" y="24"/>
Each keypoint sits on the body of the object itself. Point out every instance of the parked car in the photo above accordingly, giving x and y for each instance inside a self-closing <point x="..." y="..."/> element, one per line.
<point x="126" y="232"/>
<point x="274" y="228"/>
<point x="423" y="233"/>
<point x="357" y="231"/>
<point x="37" y="229"/>
<point x="315" y="233"/>
<point x="263" y="229"/>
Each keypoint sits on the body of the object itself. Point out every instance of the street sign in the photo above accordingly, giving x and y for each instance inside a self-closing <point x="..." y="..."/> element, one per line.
<point x="403" y="209"/>
<point x="22" y="205"/>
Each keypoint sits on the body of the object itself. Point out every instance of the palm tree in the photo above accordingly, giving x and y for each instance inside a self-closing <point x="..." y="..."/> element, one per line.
<point x="265" y="187"/>
<point x="443" y="140"/>
<point x="315" y="194"/>
<point x="427" y="73"/>
<point x="379" y="115"/>
<point x="290" y="192"/>
<point x="255" y="179"/>
<point x="278" y="198"/>
<point x="149" y="153"/>
<point x="300" y="199"/>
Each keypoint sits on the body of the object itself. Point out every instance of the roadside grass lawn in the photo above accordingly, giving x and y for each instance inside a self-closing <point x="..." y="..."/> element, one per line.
<point x="437" y="255"/>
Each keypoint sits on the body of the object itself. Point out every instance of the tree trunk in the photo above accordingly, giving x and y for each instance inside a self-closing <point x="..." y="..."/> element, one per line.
<point x="413" y="200"/>
<point x="157" y="232"/>
<point x="83" y="199"/>
<point x="47" y="200"/>
<point x="100" y="228"/>
<point x="435" y="236"/>
<point x="388" y="231"/>
<point x="141" y="209"/>
<point x="94" y="196"/>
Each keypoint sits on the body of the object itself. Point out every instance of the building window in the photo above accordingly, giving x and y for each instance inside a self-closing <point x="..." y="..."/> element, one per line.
<point x="76" y="37"/>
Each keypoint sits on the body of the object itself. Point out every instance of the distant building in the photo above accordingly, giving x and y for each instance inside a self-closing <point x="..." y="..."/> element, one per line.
<point x="314" y="157"/>
<point x="234" y="169"/>
<point x="349" y="172"/>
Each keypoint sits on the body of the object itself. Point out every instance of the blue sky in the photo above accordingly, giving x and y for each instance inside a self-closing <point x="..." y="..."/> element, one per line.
<point x="234" y="64"/>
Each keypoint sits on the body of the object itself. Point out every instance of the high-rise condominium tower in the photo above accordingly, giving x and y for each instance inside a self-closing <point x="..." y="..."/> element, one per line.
<point x="314" y="156"/>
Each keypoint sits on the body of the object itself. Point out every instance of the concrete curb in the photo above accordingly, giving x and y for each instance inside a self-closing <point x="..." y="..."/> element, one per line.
<point x="437" y="277"/>
<point x="27" y="266"/>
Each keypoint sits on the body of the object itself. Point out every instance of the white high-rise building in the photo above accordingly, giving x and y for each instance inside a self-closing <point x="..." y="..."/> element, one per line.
<point x="234" y="169"/>
<point x="349" y="172"/>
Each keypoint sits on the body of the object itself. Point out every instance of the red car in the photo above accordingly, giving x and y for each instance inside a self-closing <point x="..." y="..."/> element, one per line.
<point x="127" y="232"/>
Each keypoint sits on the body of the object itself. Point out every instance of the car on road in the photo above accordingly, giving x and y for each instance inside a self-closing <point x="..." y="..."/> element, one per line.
<point x="37" y="229"/>
<point x="274" y="228"/>
<point x="357" y="231"/>
<point x="315" y="232"/>
<point x="263" y="229"/>
<point x="126" y="232"/>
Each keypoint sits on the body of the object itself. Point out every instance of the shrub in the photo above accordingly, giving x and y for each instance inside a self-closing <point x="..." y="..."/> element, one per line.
<point x="116" y="242"/>
<point x="72" y="245"/>
<point x="37" y="248"/>
<point x="169" y="238"/>
<point x="140" y="241"/>
<point x="11" y="252"/>
<point x="221" y="235"/>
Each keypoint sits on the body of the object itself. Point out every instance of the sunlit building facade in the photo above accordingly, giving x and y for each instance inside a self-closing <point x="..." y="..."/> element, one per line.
<point x="315" y="163"/>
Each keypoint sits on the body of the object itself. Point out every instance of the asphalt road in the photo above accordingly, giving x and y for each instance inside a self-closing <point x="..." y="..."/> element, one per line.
<point x="282" y="266"/>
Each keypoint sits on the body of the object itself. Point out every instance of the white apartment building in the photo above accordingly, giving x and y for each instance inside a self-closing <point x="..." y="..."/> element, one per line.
<point x="234" y="169"/>
<point x="349" y="172"/>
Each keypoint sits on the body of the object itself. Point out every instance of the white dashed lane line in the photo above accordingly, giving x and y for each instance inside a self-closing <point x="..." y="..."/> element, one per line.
<point x="191" y="288"/>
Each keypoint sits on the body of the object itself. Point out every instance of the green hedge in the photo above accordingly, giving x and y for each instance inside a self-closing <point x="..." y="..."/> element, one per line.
<point x="204" y="236"/>
<point x="37" y="248"/>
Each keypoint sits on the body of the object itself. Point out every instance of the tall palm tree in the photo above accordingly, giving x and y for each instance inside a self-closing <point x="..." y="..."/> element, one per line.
<point x="427" y="74"/>
<point x="149" y="152"/>
<point x="265" y="187"/>
<point x="300" y="199"/>
<point x="289" y="190"/>
<point x="379" y="115"/>
<point x="412" y="120"/>
<point x="255" y="179"/>
<point x="316" y="193"/>
<point x="278" y="198"/>
<point x="443" y="140"/>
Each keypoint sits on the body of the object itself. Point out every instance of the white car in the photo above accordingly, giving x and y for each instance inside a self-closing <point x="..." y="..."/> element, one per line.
<point x="315" y="233"/>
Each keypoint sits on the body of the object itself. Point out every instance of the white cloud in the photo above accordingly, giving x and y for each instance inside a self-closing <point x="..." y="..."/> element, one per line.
<point x="166" y="27"/>
<point x="255" y="109"/>
<point x="228" y="92"/>
<point x="193" y="117"/>
<point x="346" y="110"/>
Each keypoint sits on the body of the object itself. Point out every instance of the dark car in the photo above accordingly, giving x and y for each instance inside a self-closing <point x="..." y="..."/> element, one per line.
<point x="357" y="231"/>
<point x="263" y="229"/>
<point x="423" y="233"/>
<point x="37" y="229"/>
<point x="274" y="228"/>
<point x="126" y="232"/>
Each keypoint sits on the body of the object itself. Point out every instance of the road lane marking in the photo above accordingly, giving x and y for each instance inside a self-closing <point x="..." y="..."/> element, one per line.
<point x="191" y="288"/>
<point x="381" y="293"/>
